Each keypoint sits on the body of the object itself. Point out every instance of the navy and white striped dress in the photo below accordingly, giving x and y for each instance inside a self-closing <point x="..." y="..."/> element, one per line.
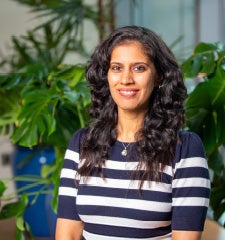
<point x="113" y="209"/>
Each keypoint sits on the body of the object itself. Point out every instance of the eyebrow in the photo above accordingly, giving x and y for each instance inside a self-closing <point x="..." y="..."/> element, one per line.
<point x="132" y="63"/>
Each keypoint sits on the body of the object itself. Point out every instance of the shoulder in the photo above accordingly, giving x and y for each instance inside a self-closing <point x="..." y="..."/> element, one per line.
<point x="189" y="145"/>
<point x="74" y="143"/>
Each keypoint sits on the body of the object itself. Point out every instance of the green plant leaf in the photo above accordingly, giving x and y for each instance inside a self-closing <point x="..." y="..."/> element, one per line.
<point x="22" y="231"/>
<point x="19" y="235"/>
<point x="191" y="67"/>
<point x="36" y="119"/>
<point x="20" y="223"/>
<point x="220" y="125"/>
<point x="208" y="133"/>
<point x="78" y="72"/>
<point x="72" y="97"/>
<point x="219" y="211"/>
<point x="14" y="209"/>
<point x="208" y="63"/>
<point x="47" y="170"/>
<point x="83" y="89"/>
<point x="9" y="107"/>
<point x="205" y="112"/>
<point x="26" y="136"/>
<point x="217" y="196"/>
<point x="215" y="161"/>
<point x="8" y="81"/>
<point x="3" y="187"/>
<point x="74" y="74"/>
<point x="203" y="61"/>
<point x="38" y="70"/>
<point x="205" y="47"/>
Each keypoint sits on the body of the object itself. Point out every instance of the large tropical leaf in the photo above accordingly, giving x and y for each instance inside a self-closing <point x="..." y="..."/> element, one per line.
<point x="206" y="112"/>
<point x="36" y="117"/>
<point x="203" y="61"/>
<point x="10" y="107"/>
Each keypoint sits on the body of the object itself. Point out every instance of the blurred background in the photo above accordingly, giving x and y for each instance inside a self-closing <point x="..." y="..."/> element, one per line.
<point x="181" y="23"/>
<point x="189" y="21"/>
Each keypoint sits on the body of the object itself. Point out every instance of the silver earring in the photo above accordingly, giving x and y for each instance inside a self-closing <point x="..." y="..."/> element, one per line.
<point x="162" y="85"/>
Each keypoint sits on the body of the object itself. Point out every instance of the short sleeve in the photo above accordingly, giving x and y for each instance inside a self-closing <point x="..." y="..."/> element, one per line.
<point x="68" y="187"/>
<point x="191" y="184"/>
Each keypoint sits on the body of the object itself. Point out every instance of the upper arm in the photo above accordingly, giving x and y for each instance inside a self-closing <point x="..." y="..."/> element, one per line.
<point x="69" y="225"/>
<point x="186" y="235"/>
<point x="69" y="181"/>
<point x="190" y="188"/>
<point x="67" y="229"/>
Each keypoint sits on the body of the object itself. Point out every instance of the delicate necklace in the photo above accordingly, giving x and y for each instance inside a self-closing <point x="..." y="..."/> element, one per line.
<point x="124" y="152"/>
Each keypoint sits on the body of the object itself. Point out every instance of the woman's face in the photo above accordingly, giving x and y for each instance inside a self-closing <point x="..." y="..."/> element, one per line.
<point x="131" y="77"/>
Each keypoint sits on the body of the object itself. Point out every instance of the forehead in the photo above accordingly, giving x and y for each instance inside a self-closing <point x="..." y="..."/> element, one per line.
<point x="129" y="49"/>
<point x="129" y="43"/>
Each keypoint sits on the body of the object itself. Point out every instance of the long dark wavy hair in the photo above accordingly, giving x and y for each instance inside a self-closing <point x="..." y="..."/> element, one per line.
<point x="156" y="140"/>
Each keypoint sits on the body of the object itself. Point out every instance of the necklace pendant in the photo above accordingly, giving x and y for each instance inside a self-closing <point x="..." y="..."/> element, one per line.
<point x="124" y="152"/>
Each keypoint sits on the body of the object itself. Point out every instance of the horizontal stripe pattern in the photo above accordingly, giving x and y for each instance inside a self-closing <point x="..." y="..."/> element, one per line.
<point x="72" y="155"/>
<point x="191" y="162"/>
<point x="127" y="193"/>
<point x="124" y="222"/>
<point x="91" y="236"/>
<point x="68" y="191"/>
<point x="190" y="182"/>
<point x="127" y="232"/>
<point x="126" y="184"/>
<point x="124" y="203"/>
<point x="112" y="208"/>
<point x="138" y="214"/>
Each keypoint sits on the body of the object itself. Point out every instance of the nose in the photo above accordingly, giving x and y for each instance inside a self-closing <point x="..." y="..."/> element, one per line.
<point x="127" y="77"/>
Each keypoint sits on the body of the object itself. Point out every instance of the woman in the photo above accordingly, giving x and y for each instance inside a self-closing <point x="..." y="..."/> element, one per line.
<point x="132" y="173"/>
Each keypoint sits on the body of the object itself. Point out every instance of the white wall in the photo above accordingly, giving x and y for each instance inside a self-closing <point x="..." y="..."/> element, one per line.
<point x="211" y="20"/>
<point x="14" y="20"/>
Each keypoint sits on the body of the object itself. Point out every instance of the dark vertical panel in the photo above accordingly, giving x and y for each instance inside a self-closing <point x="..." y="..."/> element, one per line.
<point x="221" y="16"/>
<point x="197" y="21"/>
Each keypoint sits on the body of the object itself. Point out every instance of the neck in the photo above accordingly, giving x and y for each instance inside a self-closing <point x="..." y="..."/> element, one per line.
<point x="128" y="125"/>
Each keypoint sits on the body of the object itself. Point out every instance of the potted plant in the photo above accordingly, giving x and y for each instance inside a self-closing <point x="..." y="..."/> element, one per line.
<point x="205" y="111"/>
<point x="43" y="99"/>
<point x="48" y="114"/>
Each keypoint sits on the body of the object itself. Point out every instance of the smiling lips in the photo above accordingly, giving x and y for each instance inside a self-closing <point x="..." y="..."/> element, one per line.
<point x="128" y="92"/>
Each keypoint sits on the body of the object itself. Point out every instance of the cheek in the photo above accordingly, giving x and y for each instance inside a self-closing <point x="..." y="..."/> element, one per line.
<point x="112" y="80"/>
<point x="148" y="83"/>
<point x="111" y="85"/>
<point x="149" y="87"/>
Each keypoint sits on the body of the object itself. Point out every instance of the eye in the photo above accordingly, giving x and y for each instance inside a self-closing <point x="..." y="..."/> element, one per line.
<point x="116" y="68"/>
<point x="139" y="68"/>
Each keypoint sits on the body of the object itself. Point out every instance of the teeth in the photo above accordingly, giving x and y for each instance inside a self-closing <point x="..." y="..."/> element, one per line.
<point x="127" y="92"/>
